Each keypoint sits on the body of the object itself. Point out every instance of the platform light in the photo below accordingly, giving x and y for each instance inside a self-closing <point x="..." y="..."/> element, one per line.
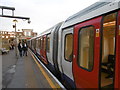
<point x="15" y="20"/>
<point x="14" y="26"/>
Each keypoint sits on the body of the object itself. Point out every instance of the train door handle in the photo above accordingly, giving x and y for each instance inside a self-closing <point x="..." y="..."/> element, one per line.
<point x="73" y="56"/>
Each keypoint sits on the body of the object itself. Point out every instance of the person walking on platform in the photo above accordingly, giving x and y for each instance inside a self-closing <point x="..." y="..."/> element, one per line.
<point x="20" y="48"/>
<point x="25" y="48"/>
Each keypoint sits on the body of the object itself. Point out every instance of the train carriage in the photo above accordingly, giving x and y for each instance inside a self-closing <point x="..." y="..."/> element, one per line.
<point x="85" y="49"/>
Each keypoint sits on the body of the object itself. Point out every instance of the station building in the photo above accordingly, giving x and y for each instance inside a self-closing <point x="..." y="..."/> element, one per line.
<point x="9" y="37"/>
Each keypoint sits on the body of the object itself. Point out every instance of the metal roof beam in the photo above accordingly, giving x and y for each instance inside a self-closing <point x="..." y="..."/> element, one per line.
<point x="9" y="8"/>
<point x="12" y="16"/>
<point x="18" y="17"/>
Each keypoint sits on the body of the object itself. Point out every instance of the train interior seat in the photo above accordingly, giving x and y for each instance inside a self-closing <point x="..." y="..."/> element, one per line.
<point x="106" y="66"/>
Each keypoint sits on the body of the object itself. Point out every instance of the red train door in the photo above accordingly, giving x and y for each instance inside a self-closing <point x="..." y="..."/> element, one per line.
<point x="86" y="54"/>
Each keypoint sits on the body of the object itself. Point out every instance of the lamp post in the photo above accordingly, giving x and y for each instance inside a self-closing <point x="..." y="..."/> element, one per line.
<point x="14" y="26"/>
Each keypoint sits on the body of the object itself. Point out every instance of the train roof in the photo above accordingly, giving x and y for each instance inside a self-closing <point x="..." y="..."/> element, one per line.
<point x="48" y="31"/>
<point x="97" y="9"/>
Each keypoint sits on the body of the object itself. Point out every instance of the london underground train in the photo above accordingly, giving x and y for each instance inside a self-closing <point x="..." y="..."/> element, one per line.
<point x="84" y="50"/>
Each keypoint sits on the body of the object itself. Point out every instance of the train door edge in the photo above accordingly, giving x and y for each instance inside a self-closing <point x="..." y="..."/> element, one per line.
<point x="67" y="53"/>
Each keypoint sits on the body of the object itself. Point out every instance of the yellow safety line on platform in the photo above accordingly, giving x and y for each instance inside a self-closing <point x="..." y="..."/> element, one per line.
<point x="44" y="73"/>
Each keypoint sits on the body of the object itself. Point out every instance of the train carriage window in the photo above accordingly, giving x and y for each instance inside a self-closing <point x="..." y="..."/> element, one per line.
<point x="37" y="43"/>
<point x="86" y="48"/>
<point x="68" y="47"/>
<point x="44" y="44"/>
<point x="48" y="43"/>
<point x="34" y="44"/>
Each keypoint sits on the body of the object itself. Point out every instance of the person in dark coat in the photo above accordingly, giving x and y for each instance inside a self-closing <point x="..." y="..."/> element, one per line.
<point x="20" y="48"/>
<point x="25" y="48"/>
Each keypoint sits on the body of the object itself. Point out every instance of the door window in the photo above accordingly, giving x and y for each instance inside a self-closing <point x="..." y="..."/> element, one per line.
<point x="86" y="48"/>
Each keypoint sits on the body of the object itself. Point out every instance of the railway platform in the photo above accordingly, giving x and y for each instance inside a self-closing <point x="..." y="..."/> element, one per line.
<point x="26" y="72"/>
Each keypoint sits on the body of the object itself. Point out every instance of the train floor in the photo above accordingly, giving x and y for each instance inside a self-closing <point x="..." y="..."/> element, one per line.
<point x="26" y="72"/>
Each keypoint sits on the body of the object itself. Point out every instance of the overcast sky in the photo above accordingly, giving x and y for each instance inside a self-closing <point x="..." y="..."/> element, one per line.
<point x="43" y="13"/>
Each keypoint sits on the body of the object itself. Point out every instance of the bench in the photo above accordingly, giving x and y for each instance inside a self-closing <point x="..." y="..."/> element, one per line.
<point x="4" y="51"/>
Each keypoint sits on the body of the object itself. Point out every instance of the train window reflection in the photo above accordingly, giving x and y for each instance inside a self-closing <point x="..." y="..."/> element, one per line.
<point x="68" y="47"/>
<point x="86" y="48"/>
